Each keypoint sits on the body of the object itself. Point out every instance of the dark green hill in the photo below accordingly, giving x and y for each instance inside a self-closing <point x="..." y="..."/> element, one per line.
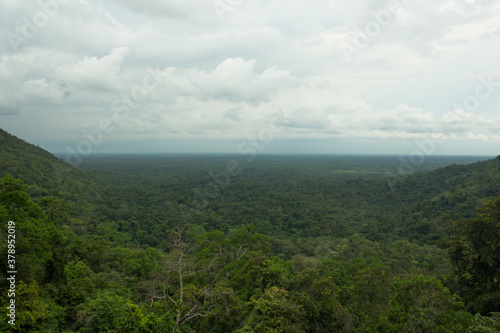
<point x="456" y="189"/>
<point x="45" y="174"/>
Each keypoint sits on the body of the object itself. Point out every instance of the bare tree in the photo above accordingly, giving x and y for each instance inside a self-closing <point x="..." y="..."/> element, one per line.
<point x="189" y="283"/>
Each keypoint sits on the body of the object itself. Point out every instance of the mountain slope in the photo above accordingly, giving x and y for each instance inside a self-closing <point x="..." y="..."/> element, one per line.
<point x="456" y="189"/>
<point x="46" y="174"/>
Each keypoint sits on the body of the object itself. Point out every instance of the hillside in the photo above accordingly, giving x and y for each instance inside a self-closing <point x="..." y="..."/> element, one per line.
<point x="455" y="190"/>
<point x="460" y="188"/>
<point x="45" y="174"/>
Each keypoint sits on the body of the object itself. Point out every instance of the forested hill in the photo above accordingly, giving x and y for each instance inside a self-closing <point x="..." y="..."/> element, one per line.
<point x="46" y="174"/>
<point x="35" y="166"/>
<point x="456" y="189"/>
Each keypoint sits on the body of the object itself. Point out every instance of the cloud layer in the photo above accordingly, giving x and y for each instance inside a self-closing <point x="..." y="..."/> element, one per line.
<point x="364" y="70"/>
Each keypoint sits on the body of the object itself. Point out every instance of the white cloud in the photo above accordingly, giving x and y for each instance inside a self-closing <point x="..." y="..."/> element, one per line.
<point x="222" y="80"/>
<point x="41" y="90"/>
<point x="102" y="74"/>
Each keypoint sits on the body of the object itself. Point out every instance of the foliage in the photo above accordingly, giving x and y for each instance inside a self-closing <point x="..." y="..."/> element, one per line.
<point x="273" y="312"/>
<point x="289" y="244"/>
<point x="423" y="304"/>
<point x="483" y="324"/>
<point x="474" y="252"/>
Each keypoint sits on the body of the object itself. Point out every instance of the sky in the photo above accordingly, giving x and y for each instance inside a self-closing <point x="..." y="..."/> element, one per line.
<point x="408" y="77"/>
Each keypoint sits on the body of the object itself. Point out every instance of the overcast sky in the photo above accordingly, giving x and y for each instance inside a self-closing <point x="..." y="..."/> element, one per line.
<point x="322" y="76"/>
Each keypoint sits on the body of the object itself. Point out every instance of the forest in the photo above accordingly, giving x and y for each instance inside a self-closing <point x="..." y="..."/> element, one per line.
<point x="221" y="243"/>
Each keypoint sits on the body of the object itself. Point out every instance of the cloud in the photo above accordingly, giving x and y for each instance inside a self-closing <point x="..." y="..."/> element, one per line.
<point x="41" y="91"/>
<point x="224" y="79"/>
<point x="173" y="9"/>
<point x="101" y="74"/>
<point x="235" y="80"/>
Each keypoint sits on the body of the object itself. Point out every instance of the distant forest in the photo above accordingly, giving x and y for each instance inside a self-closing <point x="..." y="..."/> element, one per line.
<point x="221" y="243"/>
